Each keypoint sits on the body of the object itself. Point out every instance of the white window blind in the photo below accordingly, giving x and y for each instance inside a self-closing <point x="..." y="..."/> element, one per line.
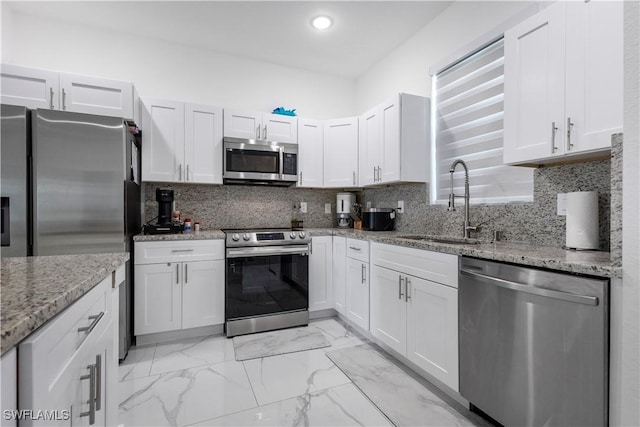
<point x="467" y="124"/>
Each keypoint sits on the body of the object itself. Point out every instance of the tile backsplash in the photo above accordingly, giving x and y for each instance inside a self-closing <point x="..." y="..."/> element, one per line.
<point x="232" y="206"/>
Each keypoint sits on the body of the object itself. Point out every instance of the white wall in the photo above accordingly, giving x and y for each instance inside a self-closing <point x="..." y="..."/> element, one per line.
<point x="406" y="69"/>
<point x="173" y="71"/>
<point x="627" y="409"/>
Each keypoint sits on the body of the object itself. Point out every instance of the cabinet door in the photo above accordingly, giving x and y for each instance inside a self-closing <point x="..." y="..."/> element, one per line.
<point x="358" y="293"/>
<point x="9" y="385"/>
<point x="534" y="87"/>
<point x="95" y="95"/>
<point x="369" y="147"/>
<point x="202" y="293"/>
<point x="339" y="274"/>
<point x="162" y="141"/>
<point x="389" y="308"/>
<point x="432" y="329"/>
<point x="390" y="141"/>
<point x="310" y="151"/>
<point x="281" y="128"/>
<point x="320" y="273"/>
<point x="203" y="144"/>
<point x="594" y="61"/>
<point x="29" y="87"/>
<point x="157" y="298"/>
<point x="341" y="153"/>
<point x="243" y="124"/>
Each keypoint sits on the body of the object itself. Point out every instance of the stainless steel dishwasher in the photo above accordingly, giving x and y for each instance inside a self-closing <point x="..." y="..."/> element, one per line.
<point x="534" y="344"/>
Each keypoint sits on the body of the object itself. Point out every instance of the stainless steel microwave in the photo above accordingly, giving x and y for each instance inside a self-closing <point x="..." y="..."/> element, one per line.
<point x="249" y="161"/>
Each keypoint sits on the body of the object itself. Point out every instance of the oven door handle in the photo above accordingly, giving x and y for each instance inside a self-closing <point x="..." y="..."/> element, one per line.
<point x="266" y="251"/>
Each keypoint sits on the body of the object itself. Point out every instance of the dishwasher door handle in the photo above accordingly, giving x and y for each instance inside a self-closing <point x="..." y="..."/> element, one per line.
<point x="543" y="292"/>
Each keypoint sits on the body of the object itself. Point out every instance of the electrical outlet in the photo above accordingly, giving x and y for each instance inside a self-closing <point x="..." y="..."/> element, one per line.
<point x="368" y="205"/>
<point x="562" y="204"/>
<point x="303" y="207"/>
<point x="327" y="208"/>
<point x="400" y="206"/>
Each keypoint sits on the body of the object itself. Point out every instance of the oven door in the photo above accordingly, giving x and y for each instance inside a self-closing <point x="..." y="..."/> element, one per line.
<point x="266" y="280"/>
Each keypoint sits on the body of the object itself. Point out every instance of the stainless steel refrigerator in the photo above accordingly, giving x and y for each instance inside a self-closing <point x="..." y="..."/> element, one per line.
<point x="84" y="189"/>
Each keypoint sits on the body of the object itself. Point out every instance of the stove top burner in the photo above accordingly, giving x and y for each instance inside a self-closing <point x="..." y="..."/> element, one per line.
<point x="265" y="237"/>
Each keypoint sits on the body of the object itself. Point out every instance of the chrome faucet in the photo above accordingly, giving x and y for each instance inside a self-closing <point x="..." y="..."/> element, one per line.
<point x="452" y="197"/>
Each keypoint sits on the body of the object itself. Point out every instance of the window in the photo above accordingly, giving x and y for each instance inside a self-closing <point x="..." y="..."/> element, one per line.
<point x="467" y="124"/>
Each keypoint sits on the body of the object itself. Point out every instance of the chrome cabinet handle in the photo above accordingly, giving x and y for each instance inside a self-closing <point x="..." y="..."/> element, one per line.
<point x="300" y="178"/>
<point x="354" y="248"/>
<point x="186" y="274"/>
<point x="51" y="97"/>
<point x="64" y="99"/>
<point x="364" y="273"/>
<point x="569" y="126"/>
<point x="354" y="177"/>
<point x="177" y="274"/>
<point x="400" y="295"/>
<point x="258" y="132"/>
<point x="91" y="413"/>
<point x="374" y="174"/>
<point x="265" y="131"/>
<point x="96" y="318"/>
<point x="180" y="172"/>
<point x="407" y="283"/>
<point x="182" y="250"/>
<point x="186" y="177"/>
<point x="98" y="368"/>
<point x="554" y="128"/>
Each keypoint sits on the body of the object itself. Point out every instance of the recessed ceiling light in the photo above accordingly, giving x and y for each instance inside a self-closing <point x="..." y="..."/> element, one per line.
<point x="321" y="22"/>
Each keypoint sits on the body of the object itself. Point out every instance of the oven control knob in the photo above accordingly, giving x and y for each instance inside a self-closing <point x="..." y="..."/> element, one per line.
<point x="235" y="237"/>
<point x="245" y="237"/>
<point x="302" y="235"/>
<point x="292" y="235"/>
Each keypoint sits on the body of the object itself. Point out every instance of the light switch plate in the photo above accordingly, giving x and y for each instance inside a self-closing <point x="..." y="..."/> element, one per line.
<point x="327" y="208"/>
<point x="400" y="206"/>
<point x="303" y="207"/>
<point x="562" y="204"/>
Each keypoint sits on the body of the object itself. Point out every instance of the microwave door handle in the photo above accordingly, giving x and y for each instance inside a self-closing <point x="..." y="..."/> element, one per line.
<point x="281" y="163"/>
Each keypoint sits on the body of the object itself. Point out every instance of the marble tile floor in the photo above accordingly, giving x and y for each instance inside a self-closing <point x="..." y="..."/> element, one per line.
<point x="198" y="382"/>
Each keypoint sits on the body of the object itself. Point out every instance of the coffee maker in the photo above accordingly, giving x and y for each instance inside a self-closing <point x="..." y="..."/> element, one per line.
<point x="163" y="225"/>
<point x="344" y="203"/>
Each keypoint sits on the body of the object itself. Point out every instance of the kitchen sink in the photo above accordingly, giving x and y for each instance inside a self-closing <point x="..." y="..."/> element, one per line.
<point x="447" y="240"/>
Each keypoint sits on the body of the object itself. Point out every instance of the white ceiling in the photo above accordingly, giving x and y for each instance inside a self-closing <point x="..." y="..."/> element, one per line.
<point x="363" y="33"/>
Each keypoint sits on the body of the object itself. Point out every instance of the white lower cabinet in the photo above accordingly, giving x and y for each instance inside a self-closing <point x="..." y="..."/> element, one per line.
<point x="320" y="274"/>
<point x="340" y="274"/>
<point x="9" y="385"/>
<point x="66" y="367"/>
<point x="178" y="285"/>
<point x="357" y="282"/>
<point x="414" y="316"/>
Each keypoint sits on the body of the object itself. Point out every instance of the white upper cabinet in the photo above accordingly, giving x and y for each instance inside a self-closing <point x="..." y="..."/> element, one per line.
<point x="341" y="153"/>
<point x="310" y="152"/>
<point x="35" y="88"/>
<point x="29" y="87"/>
<point x="203" y="144"/>
<point x="181" y="142"/>
<point x="94" y="95"/>
<point x="257" y="125"/>
<point x="394" y="141"/>
<point x="563" y="82"/>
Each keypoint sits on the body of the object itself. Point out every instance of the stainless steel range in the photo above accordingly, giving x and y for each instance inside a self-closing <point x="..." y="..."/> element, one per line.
<point x="267" y="280"/>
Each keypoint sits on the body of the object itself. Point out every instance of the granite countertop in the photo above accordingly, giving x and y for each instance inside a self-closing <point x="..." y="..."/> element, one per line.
<point x="194" y="235"/>
<point x="35" y="289"/>
<point x="595" y="263"/>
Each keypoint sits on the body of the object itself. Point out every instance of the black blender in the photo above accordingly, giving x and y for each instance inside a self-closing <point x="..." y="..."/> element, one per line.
<point x="163" y="225"/>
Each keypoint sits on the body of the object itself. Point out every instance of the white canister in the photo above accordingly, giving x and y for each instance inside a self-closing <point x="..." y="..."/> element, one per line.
<point x="583" y="228"/>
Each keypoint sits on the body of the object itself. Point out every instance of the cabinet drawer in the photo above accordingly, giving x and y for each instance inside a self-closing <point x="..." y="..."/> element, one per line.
<point x="435" y="266"/>
<point x="51" y="347"/>
<point x="177" y="251"/>
<point x="358" y="249"/>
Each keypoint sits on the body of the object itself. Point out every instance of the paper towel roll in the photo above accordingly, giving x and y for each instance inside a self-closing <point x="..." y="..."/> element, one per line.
<point x="582" y="220"/>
